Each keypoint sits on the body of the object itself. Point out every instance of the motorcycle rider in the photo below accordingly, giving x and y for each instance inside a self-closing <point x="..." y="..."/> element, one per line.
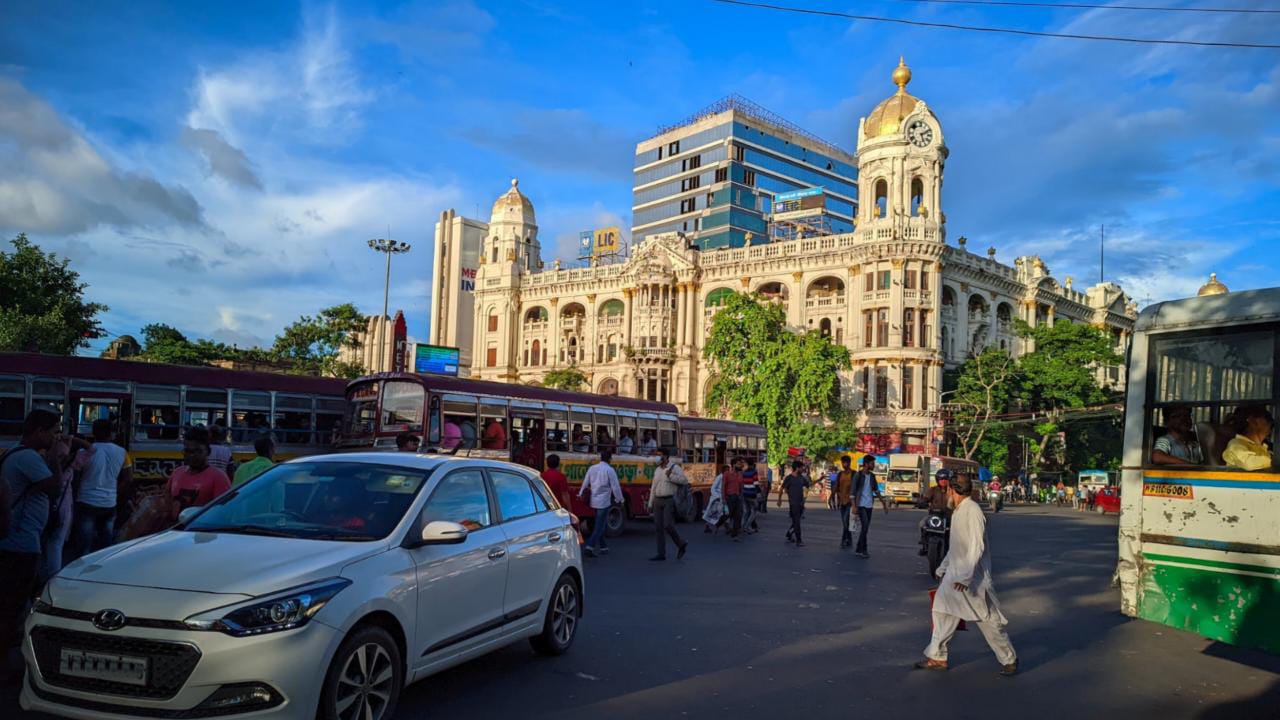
<point x="935" y="499"/>
<point x="997" y="499"/>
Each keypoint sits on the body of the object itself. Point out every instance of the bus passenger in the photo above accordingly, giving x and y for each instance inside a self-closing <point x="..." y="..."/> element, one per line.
<point x="1248" y="449"/>
<point x="1178" y="446"/>
<point x="650" y="444"/>
<point x="452" y="436"/>
<point x="495" y="435"/>
<point x="407" y="442"/>
<point x="626" y="443"/>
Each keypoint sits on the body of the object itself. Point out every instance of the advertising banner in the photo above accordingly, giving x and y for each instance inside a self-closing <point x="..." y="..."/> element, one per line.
<point x="436" y="360"/>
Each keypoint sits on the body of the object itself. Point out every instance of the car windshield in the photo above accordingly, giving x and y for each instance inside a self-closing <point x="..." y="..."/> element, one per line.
<point x="317" y="500"/>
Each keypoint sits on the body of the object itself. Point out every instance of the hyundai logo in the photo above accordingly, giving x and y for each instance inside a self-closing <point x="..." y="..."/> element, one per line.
<point x="109" y="620"/>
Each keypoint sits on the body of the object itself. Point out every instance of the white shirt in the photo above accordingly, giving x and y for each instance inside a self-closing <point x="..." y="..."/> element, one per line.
<point x="602" y="483"/>
<point x="220" y="457"/>
<point x="650" y="446"/>
<point x="626" y="445"/>
<point x="101" y="472"/>
<point x="665" y="480"/>
<point x="968" y="562"/>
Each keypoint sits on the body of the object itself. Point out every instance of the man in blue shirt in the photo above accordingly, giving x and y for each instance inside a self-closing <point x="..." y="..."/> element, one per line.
<point x="28" y="482"/>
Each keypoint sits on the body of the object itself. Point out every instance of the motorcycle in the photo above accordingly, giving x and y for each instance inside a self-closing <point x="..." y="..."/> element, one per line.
<point x="996" y="499"/>
<point x="937" y="539"/>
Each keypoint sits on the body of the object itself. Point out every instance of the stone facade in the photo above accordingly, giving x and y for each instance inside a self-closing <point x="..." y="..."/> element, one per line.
<point x="904" y="302"/>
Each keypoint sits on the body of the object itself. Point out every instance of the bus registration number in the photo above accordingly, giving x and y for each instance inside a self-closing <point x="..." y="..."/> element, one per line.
<point x="1167" y="490"/>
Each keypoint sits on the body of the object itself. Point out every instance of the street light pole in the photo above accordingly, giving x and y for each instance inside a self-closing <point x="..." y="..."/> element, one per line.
<point x="388" y="247"/>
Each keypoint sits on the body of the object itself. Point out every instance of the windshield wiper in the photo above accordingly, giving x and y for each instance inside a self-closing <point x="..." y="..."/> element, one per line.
<point x="339" y="535"/>
<point x="245" y="530"/>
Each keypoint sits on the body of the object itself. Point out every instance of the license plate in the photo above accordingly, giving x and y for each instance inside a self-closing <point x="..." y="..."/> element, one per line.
<point x="103" y="666"/>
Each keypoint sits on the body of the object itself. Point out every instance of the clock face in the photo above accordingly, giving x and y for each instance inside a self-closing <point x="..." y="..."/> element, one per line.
<point x="919" y="133"/>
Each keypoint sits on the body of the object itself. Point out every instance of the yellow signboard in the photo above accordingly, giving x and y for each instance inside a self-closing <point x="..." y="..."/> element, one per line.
<point x="608" y="241"/>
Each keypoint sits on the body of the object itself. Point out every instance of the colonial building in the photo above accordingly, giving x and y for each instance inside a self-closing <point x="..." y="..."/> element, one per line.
<point x="904" y="302"/>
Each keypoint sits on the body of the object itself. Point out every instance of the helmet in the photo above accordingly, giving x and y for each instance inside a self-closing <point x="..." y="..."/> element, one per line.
<point x="945" y="474"/>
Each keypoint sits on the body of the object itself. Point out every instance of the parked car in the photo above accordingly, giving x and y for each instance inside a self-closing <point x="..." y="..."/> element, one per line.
<point x="319" y="589"/>
<point x="1107" y="500"/>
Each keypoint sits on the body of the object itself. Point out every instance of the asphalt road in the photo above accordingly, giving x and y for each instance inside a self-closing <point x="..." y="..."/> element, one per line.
<point x="759" y="628"/>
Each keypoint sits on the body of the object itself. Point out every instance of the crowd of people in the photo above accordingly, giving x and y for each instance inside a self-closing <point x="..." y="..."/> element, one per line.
<point x="64" y="497"/>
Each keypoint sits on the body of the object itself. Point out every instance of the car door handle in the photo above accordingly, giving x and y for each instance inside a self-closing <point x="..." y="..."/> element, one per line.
<point x="496" y="553"/>
<point x="554" y="537"/>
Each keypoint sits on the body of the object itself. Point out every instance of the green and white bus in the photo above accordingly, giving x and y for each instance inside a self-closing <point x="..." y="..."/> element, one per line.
<point x="1200" y="538"/>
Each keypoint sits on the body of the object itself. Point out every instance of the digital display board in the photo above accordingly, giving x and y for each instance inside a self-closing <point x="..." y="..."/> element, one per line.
<point x="436" y="360"/>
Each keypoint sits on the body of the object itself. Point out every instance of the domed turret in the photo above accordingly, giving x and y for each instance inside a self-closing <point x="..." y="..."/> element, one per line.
<point x="513" y="206"/>
<point x="887" y="118"/>
<point x="1213" y="287"/>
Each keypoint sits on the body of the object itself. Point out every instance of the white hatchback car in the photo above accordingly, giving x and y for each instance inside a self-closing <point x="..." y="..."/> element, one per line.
<point x="319" y="589"/>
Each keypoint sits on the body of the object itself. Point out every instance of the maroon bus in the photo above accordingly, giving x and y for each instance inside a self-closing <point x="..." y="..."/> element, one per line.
<point x="151" y="403"/>
<point x="524" y="424"/>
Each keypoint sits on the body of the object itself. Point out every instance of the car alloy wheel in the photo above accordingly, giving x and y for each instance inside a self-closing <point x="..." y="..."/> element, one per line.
<point x="365" y="677"/>
<point x="560" y="624"/>
<point x="564" y="613"/>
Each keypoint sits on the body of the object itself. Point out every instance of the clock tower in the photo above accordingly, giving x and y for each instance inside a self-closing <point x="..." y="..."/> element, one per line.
<point x="901" y="154"/>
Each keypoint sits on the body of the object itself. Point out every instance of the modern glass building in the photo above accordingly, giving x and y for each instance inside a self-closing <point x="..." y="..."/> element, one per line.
<point x="714" y="175"/>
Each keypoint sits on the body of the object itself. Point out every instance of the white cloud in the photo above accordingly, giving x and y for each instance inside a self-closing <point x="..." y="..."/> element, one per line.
<point x="52" y="180"/>
<point x="309" y="91"/>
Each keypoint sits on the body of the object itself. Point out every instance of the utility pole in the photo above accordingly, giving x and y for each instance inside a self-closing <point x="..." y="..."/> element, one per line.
<point x="1102" y="253"/>
<point x="389" y="247"/>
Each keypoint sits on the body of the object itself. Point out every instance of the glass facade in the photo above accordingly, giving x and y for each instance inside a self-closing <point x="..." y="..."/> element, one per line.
<point x="716" y="184"/>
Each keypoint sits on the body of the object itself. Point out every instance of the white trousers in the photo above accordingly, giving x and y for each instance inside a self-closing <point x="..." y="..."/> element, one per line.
<point x="944" y="627"/>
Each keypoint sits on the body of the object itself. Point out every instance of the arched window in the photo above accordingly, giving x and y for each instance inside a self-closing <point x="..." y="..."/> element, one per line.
<point x="609" y="387"/>
<point x="535" y="315"/>
<point x="536" y="352"/>
<point x="495" y="250"/>
<point x="718" y="296"/>
<point x="493" y="321"/>
<point x="882" y="198"/>
<point x="917" y="196"/>
<point x="824" y="327"/>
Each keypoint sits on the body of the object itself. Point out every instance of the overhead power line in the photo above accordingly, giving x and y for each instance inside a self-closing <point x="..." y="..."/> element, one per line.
<point x="1004" y="31"/>
<point x="1085" y="6"/>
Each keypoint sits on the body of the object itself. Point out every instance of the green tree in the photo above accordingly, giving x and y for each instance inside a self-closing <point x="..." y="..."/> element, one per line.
<point x="42" y="304"/>
<point x="165" y="344"/>
<point x="1060" y="375"/>
<point x="570" y="378"/>
<point x="768" y="375"/>
<point x="311" y="345"/>
<point x="984" y="386"/>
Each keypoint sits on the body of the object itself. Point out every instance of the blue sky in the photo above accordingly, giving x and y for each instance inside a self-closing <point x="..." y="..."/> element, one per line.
<point x="219" y="166"/>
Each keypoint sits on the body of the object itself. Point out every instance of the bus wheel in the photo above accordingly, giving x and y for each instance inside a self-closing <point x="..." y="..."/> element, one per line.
<point x="615" y="522"/>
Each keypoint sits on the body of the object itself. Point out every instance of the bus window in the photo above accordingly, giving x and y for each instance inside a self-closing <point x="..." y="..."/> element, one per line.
<point x="205" y="407"/>
<point x="580" y="430"/>
<point x="249" y="415"/>
<point x="459" y="423"/>
<point x="493" y="419"/>
<point x="1215" y="379"/>
<point x="292" y="419"/>
<point x="604" y="435"/>
<point x="690" y="447"/>
<point x="328" y="419"/>
<point x="527" y="441"/>
<point x="48" y="395"/>
<point x="557" y="430"/>
<point x="648" y="435"/>
<point x="13" y="402"/>
<point x="362" y="404"/>
<point x="709" y="453"/>
<point x="402" y="406"/>
<point x="667" y="434"/>
<point x="156" y="413"/>
<point x="626" y="434"/>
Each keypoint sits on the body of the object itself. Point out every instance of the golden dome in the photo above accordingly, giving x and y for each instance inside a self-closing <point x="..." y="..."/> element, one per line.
<point x="513" y="205"/>
<point x="1213" y="287"/>
<point x="888" y="116"/>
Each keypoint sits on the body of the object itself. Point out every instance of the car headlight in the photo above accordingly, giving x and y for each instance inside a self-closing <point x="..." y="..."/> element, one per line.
<point x="283" y="611"/>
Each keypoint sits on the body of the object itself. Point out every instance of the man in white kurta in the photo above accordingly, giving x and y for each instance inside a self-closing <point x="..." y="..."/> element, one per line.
<point x="966" y="592"/>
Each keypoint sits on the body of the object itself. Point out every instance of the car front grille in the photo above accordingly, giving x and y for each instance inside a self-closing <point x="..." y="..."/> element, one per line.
<point x="169" y="663"/>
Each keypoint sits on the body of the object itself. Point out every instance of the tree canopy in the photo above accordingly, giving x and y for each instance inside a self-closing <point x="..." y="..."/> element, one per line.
<point x="766" y="374"/>
<point x="1041" y="388"/>
<point x="312" y="344"/>
<point x="570" y="378"/>
<point x="42" y="305"/>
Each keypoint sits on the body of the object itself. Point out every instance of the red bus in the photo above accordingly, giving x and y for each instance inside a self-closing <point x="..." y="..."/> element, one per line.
<point x="152" y="402"/>
<point x="524" y="424"/>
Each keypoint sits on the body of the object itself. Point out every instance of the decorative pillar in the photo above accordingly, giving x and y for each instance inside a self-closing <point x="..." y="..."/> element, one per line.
<point x="629" y="294"/>
<point x="896" y="304"/>
<point x="593" y="337"/>
<point x="554" y="321"/>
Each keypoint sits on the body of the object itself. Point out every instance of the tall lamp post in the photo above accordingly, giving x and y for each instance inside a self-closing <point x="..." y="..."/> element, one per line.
<point x="388" y="247"/>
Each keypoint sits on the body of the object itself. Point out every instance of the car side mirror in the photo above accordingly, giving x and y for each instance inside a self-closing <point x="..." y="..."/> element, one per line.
<point x="443" y="532"/>
<point x="188" y="514"/>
